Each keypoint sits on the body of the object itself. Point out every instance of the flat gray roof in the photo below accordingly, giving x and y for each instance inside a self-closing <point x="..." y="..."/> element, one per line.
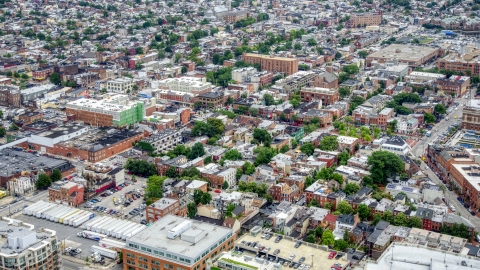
<point x="156" y="238"/>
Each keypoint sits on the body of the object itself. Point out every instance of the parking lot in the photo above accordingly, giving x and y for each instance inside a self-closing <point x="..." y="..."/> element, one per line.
<point x="287" y="250"/>
<point x="67" y="235"/>
<point x="121" y="210"/>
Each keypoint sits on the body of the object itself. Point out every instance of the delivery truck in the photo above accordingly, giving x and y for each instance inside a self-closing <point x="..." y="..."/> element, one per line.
<point x="83" y="219"/>
<point x="68" y="214"/>
<point x="91" y="235"/>
<point x="40" y="213"/>
<point x="112" y="254"/>
<point x="133" y="232"/>
<point x="118" y="233"/>
<point x="93" y="223"/>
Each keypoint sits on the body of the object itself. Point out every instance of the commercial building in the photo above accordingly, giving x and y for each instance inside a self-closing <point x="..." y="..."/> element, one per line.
<point x="26" y="248"/>
<point x="467" y="178"/>
<point x="236" y="15"/>
<point x="16" y="163"/>
<point x="454" y="86"/>
<point x="191" y="85"/>
<point x="113" y="110"/>
<point x="36" y="92"/>
<point x="326" y="96"/>
<point x="120" y="85"/>
<point x="417" y="76"/>
<point x="69" y="193"/>
<point x="163" y="207"/>
<point x="42" y="73"/>
<point x="365" y="19"/>
<point x="217" y="177"/>
<point x="412" y="56"/>
<point x="272" y="63"/>
<point x="10" y="96"/>
<point x="175" y="242"/>
<point x="471" y="115"/>
<point x="211" y="99"/>
<point x="467" y="61"/>
<point x="56" y="135"/>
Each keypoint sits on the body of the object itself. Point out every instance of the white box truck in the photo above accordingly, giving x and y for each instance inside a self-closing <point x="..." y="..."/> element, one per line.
<point x="29" y="209"/>
<point x="132" y="233"/>
<point x="108" y="225"/>
<point x="57" y="216"/>
<point x="99" y="227"/>
<point x="68" y="214"/>
<point x="112" y="254"/>
<point x="69" y="219"/>
<point x="118" y="233"/>
<point x="115" y="226"/>
<point x="92" y="225"/>
<point x="87" y="224"/>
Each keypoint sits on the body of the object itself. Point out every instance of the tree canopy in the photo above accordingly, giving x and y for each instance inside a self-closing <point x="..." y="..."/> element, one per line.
<point x="384" y="164"/>
<point x="329" y="143"/>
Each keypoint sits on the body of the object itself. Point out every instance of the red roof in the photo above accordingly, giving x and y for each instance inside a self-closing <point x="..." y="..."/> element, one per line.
<point x="330" y="218"/>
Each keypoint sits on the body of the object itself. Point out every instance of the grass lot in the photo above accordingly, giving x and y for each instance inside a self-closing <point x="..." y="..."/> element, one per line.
<point x="238" y="263"/>
<point x="426" y="40"/>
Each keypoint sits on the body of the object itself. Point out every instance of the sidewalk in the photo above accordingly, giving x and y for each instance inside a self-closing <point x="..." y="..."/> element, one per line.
<point x="90" y="265"/>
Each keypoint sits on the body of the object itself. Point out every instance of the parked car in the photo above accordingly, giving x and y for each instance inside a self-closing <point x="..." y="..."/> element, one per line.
<point x="332" y="254"/>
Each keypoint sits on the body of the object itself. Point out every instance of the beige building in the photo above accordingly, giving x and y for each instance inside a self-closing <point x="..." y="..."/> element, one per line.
<point x="272" y="63"/>
<point x="412" y="56"/>
<point x="365" y="19"/>
<point x="120" y="85"/>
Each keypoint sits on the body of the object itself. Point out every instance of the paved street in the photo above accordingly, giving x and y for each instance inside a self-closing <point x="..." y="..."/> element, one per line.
<point x="419" y="149"/>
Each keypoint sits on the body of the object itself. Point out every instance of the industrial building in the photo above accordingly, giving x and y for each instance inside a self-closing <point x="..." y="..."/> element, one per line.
<point x="175" y="242"/>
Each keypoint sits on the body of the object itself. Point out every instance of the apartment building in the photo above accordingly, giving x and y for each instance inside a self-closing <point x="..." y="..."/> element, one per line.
<point x="26" y="248"/>
<point x="217" y="177"/>
<point x="191" y="85"/>
<point x="322" y="194"/>
<point x="295" y="81"/>
<point x="326" y="96"/>
<point x="466" y="62"/>
<point x="234" y="16"/>
<point x="69" y="193"/>
<point x="10" y="96"/>
<point x="176" y="243"/>
<point x="211" y="99"/>
<point x="164" y="140"/>
<point x="42" y="73"/>
<point x="272" y="63"/>
<point x="120" y="85"/>
<point x="325" y="80"/>
<point x="467" y="178"/>
<point x="471" y="115"/>
<point x="113" y="110"/>
<point x="163" y="207"/>
<point x="365" y="19"/>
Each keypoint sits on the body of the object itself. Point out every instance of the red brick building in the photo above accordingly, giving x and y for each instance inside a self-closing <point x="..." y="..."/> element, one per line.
<point x="69" y="193"/>
<point x="42" y="73"/>
<point x="162" y="208"/>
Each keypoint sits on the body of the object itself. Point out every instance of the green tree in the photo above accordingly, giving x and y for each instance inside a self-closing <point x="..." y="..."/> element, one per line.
<point x="329" y="143"/>
<point x="13" y="127"/>
<point x="139" y="50"/>
<point x="171" y="172"/>
<point x="55" y="78"/>
<point x="384" y="164"/>
<point x="351" y="69"/>
<point x="429" y="118"/>
<point x="363" y="211"/>
<point x="253" y="112"/>
<point x="307" y="148"/>
<point x="43" y="181"/>
<point x="283" y="150"/>
<point x="388" y="216"/>
<point x="415" y="222"/>
<point x="191" y="210"/>
<point x="232" y="154"/>
<point x="197" y="151"/>
<point x="154" y="188"/>
<point x="376" y="218"/>
<point x="351" y="188"/>
<point x="262" y="136"/>
<point x="264" y="155"/>
<point x="363" y="54"/>
<point x="327" y="238"/>
<point x="225" y="185"/>
<point x="400" y="220"/>
<point x="314" y="203"/>
<point x="345" y="208"/>
<point x="310" y="239"/>
<point x="343" y="157"/>
<point x="3" y="131"/>
<point x="141" y="167"/>
<point x="340" y="245"/>
<point x="343" y="91"/>
<point x="56" y="175"/>
<point x="268" y="99"/>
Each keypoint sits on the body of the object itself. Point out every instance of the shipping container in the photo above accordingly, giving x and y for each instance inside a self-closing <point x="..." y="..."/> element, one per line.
<point x="132" y="233"/>
<point x="95" y="225"/>
<point x="99" y="228"/>
<point x="40" y="213"/>
<point x="126" y="233"/>
<point x="87" y="225"/>
<point x="61" y="213"/>
<point x="112" y="254"/>
<point x="115" y="226"/>
<point x="69" y="219"/>
<point x="46" y="213"/>
<point x="68" y="214"/>
<point x="30" y="209"/>
<point x="118" y="233"/>
<point x="108" y="225"/>
<point x="55" y="211"/>
<point x="82" y="219"/>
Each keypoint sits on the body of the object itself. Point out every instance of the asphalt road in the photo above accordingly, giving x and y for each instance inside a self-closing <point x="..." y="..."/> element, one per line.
<point x="27" y="200"/>
<point x="420" y="148"/>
